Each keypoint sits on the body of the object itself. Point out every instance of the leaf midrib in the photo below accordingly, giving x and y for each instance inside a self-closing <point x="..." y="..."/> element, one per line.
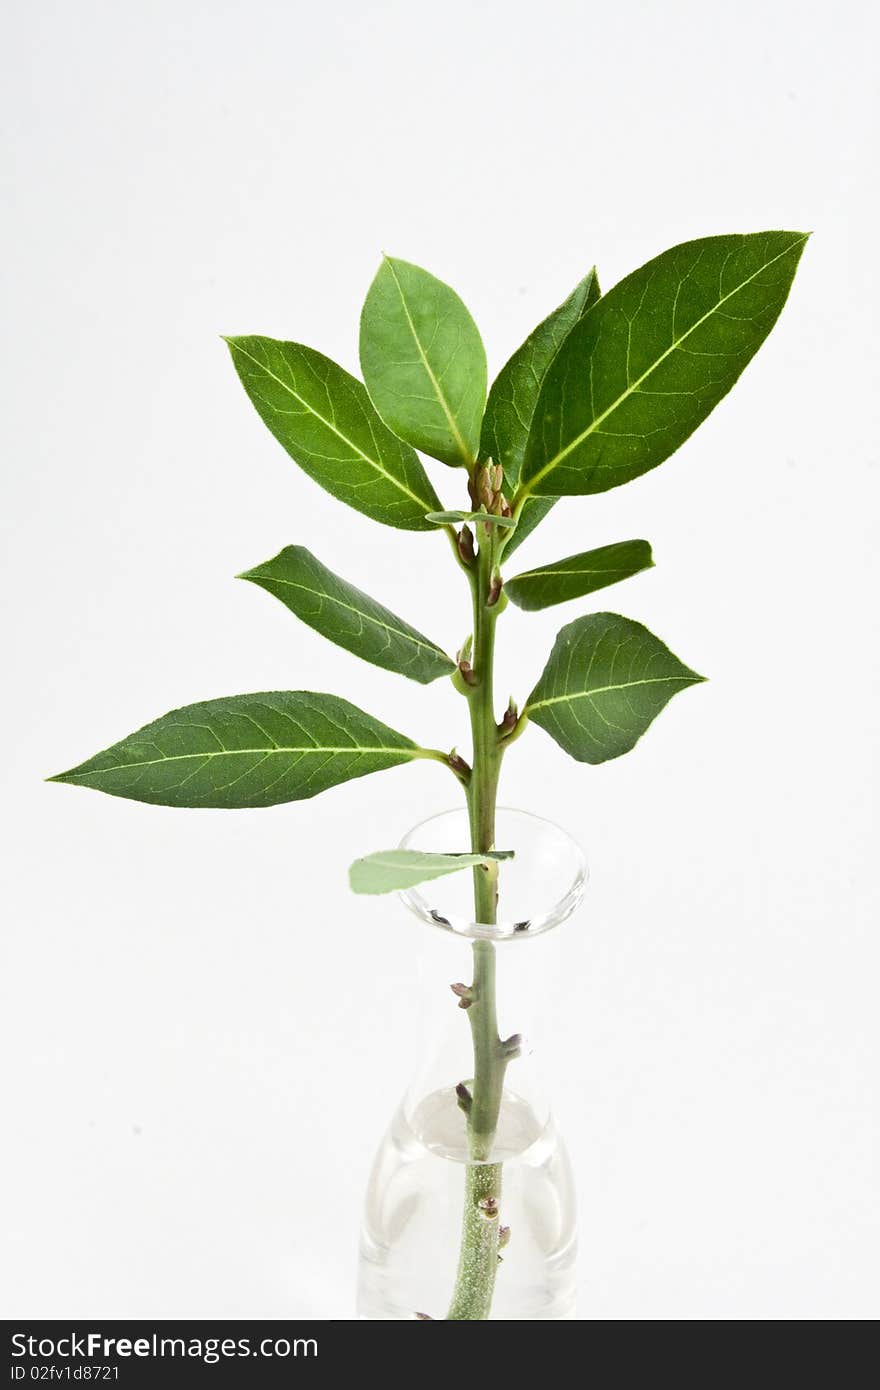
<point x="541" y="574"/>
<point x="361" y="613"/>
<point x="528" y="487"/>
<point x="235" y="752"/>
<point x="374" y="463"/>
<point x="435" y="384"/>
<point x="606" y="689"/>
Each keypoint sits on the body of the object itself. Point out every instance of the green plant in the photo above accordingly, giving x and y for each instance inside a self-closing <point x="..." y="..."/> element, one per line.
<point x="603" y="390"/>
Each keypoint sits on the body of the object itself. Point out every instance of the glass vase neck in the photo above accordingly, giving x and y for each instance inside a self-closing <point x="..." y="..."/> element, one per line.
<point x="540" y="887"/>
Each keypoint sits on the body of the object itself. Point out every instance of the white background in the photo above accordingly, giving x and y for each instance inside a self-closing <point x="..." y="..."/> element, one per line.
<point x="204" y="1034"/>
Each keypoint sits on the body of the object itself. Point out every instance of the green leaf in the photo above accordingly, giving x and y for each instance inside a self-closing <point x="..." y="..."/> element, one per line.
<point x="390" y="870"/>
<point x="246" y="750"/>
<point x="349" y="617"/>
<point x="513" y="398"/>
<point x="638" y="374"/>
<point x="607" y="679"/>
<point x="424" y="362"/>
<point x="533" y="511"/>
<point x="514" y="393"/>
<point x="324" y="419"/>
<point x="453" y="518"/>
<point x="578" y="575"/>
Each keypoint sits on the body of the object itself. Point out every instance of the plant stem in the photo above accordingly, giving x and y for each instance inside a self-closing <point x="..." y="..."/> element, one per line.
<point x="478" y="1259"/>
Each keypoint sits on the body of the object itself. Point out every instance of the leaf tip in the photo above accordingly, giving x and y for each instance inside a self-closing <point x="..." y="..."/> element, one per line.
<point x="800" y="241"/>
<point x="68" y="776"/>
<point x="694" y="677"/>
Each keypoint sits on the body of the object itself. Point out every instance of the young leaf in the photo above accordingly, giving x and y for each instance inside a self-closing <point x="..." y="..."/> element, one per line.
<point x="424" y="362"/>
<point x="453" y="519"/>
<point x="324" y="419"/>
<point x="607" y="679"/>
<point x="246" y="750"/>
<point x="390" y="870"/>
<point x="348" y="616"/>
<point x="653" y="357"/>
<point x="578" y="575"/>
<point x="514" y="393"/>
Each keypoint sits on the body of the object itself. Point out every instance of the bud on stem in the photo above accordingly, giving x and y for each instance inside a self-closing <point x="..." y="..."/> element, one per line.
<point x="461" y="769"/>
<point x="510" y="1047"/>
<point x="465" y="995"/>
<point x="486" y="489"/>
<point x="464" y="1098"/>
<point x="508" y="722"/>
<point x="466" y="545"/>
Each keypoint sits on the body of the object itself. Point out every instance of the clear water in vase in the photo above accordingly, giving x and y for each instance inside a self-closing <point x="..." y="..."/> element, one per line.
<point x="412" y="1217"/>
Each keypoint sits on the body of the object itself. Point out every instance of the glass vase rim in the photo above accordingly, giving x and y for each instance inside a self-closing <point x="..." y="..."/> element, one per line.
<point x="417" y="899"/>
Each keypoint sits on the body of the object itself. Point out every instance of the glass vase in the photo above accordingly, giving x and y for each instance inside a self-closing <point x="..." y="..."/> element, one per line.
<point x="414" y="1247"/>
